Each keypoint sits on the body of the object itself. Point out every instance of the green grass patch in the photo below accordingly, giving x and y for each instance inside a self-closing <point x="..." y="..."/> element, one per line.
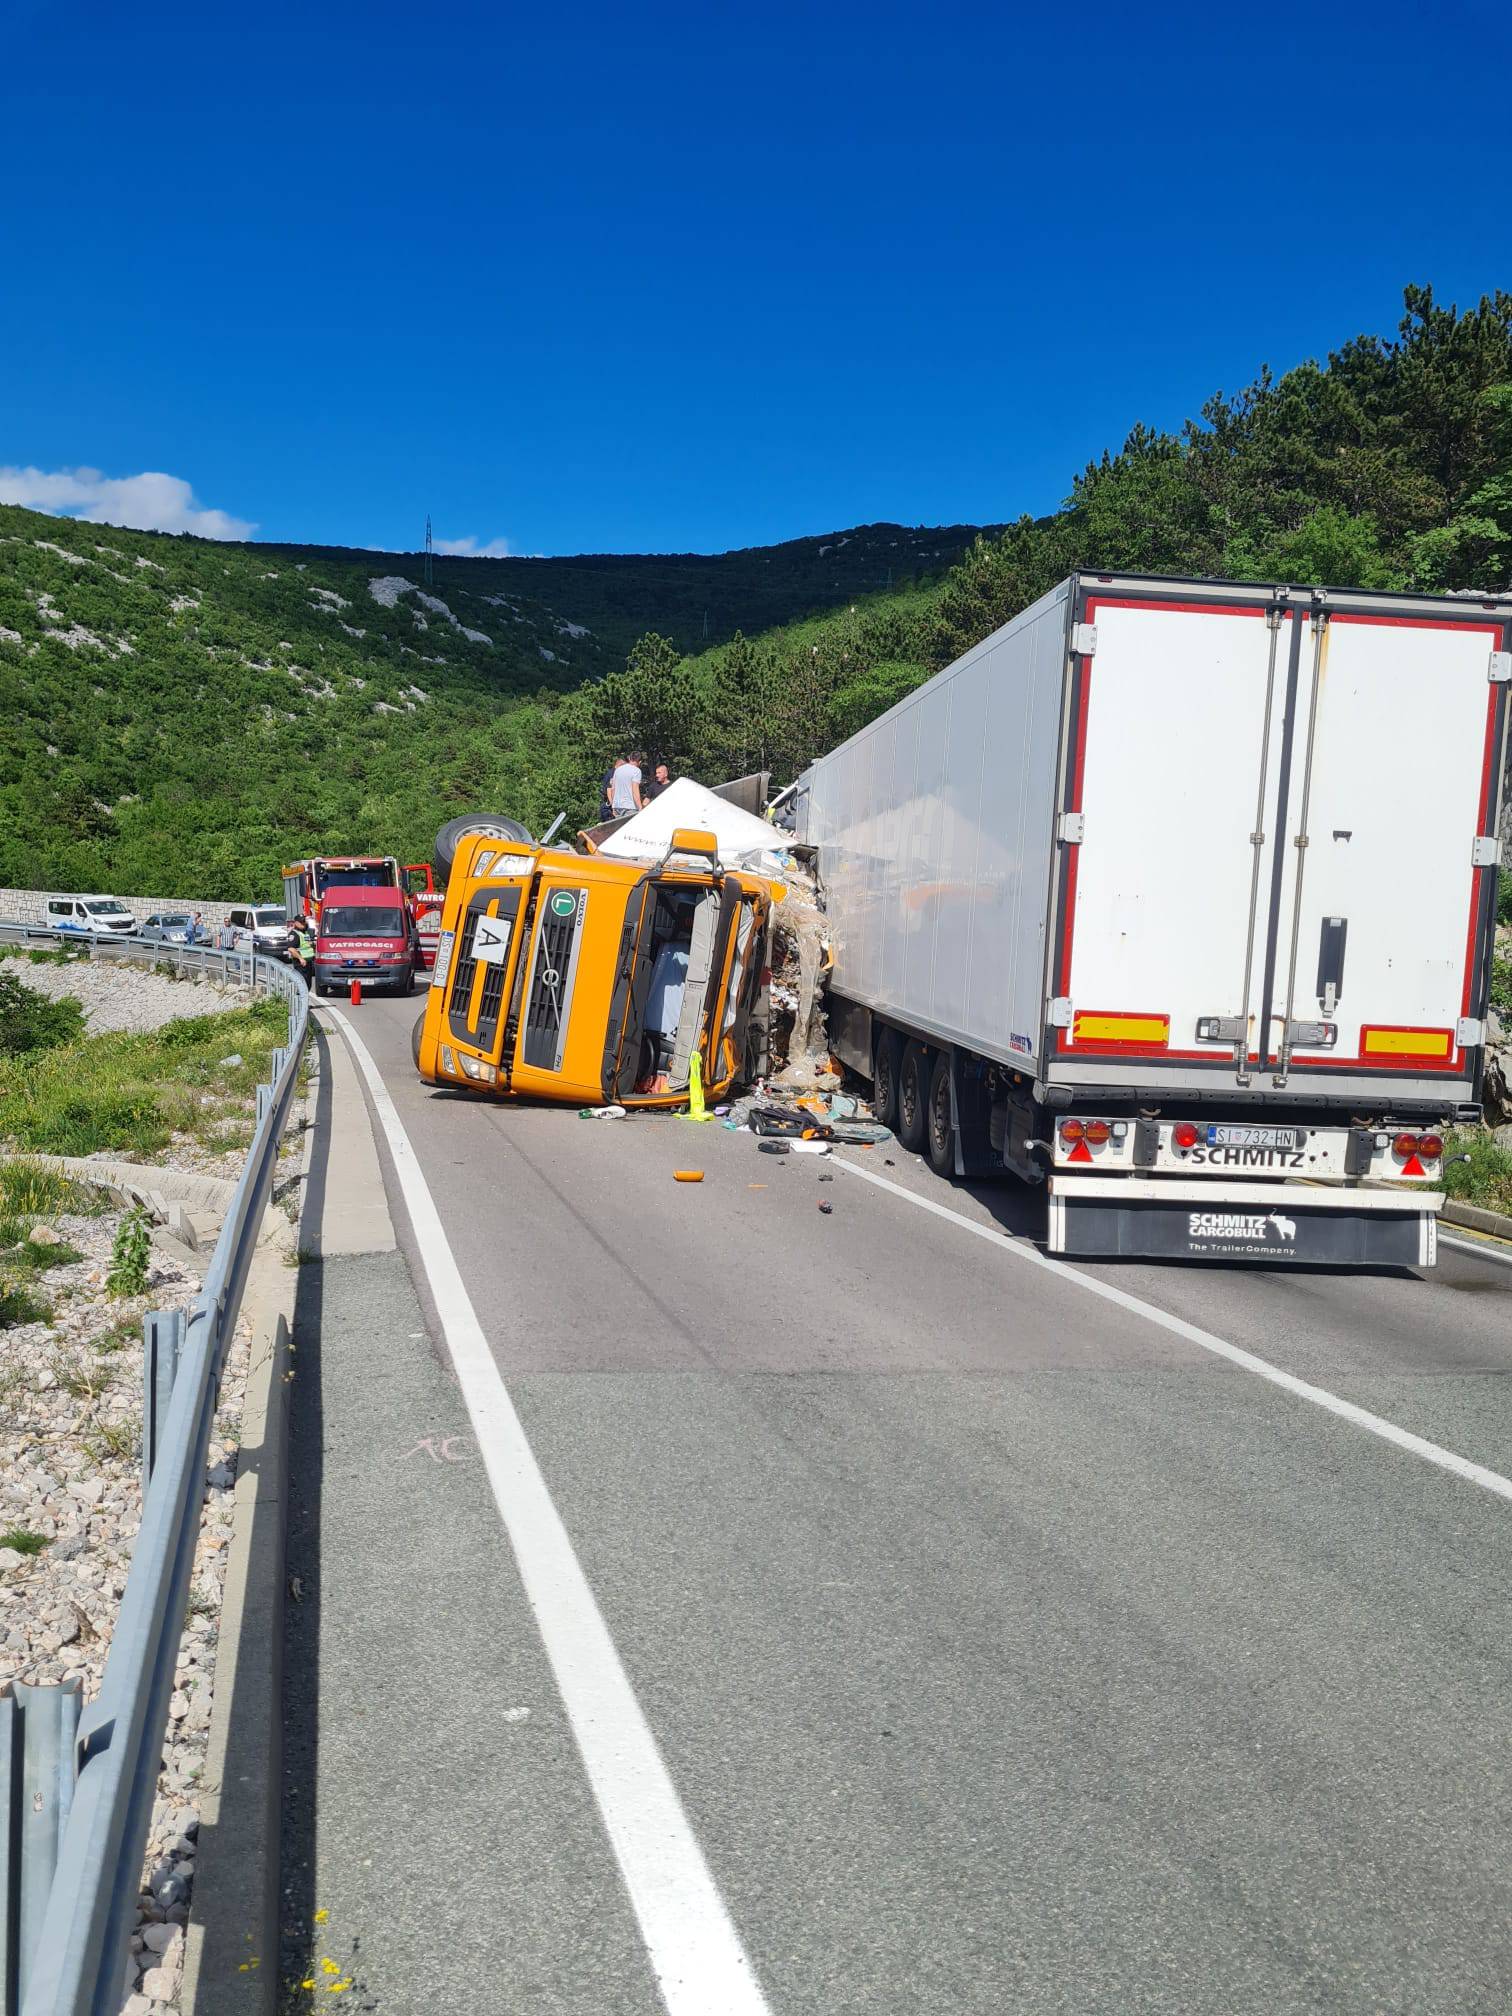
<point x="126" y="1092"/>
<point x="19" y="1305"/>
<point x="29" y="1190"/>
<point x="1486" y="1179"/>
<point x="20" y="1254"/>
<point x="23" y="1540"/>
<point x="117" y="1338"/>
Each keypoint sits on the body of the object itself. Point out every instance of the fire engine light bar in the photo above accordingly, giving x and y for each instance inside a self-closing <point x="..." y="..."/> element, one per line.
<point x="1096" y="1027"/>
<point x="1437" y="1043"/>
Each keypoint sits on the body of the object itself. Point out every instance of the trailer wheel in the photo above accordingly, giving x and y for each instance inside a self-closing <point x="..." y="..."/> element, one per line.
<point x="455" y="831"/>
<point x="885" y="1078"/>
<point x="939" y="1142"/>
<point x="913" y="1099"/>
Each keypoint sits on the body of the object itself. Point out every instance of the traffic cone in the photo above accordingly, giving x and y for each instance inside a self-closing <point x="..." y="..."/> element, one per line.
<point x="356" y="993"/>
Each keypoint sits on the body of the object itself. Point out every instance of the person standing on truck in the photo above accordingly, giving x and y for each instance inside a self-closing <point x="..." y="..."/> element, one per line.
<point x="625" y="787"/>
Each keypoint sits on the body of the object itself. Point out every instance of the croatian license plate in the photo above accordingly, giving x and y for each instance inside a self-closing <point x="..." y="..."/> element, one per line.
<point x="1227" y="1136"/>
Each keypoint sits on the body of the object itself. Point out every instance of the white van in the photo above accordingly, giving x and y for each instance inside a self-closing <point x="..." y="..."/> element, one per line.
<point x="257" y="927"/>
<point x="99" y="914"/>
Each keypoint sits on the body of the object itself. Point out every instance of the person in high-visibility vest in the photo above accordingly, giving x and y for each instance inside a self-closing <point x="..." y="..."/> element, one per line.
<point x="302" y="949"/>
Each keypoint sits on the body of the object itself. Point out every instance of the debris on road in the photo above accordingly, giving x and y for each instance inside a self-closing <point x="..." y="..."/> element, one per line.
<point x="687" y="1175"/>
<point x="601" y="1113"/>
<point x="825" y="1206"/>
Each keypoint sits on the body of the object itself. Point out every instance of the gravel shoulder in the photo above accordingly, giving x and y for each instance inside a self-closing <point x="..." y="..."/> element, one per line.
<point x="71" y="1373"/>
<point x="130" y="998"/>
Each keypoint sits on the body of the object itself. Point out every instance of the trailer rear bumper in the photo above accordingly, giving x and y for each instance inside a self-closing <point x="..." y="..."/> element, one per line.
<point x="1265" y="1224"/>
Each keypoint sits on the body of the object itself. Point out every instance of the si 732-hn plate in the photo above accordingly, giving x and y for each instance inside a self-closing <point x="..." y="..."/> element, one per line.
<point x="1224" y="1135"/>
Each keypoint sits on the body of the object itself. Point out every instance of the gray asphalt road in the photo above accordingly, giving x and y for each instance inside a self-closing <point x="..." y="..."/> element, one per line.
<point x="1008" y="1651"/>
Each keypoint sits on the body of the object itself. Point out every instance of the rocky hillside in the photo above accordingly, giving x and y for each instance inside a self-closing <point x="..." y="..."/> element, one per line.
<point x="181" y="714"/>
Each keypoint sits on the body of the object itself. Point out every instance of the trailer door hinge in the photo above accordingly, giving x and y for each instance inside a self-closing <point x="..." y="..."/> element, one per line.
<point x="1084" y="639"/>
<point x="1060" y="1012"/>
<point x="1073" y="828"/>
<point x="1501" y="668"/>
<point x="1469" y="1032"/>
<point x="1485" y="851"/>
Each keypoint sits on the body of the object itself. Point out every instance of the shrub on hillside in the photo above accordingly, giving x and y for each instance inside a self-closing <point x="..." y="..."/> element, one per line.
<point x="30" y="1021"/>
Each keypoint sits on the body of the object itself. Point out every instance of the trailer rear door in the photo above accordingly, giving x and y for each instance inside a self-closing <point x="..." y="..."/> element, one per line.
<point x="1276" y="848"/>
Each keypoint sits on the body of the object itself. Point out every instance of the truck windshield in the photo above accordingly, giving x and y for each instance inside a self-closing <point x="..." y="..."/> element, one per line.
<point x="354" y="921"/>
<point x="372" y="876"/>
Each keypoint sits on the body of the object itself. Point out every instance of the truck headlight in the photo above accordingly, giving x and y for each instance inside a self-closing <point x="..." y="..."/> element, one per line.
<point x="475" y="1068"/>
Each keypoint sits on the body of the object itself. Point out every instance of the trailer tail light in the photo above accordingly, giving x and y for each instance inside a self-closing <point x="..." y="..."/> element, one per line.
<point x="1097" y="1132"/>
<point x="1183" y="1135"/>
<point x="1430" y="1146"/>
<point x="1405" y="1145"/>
<point x="1072" y="1130"/>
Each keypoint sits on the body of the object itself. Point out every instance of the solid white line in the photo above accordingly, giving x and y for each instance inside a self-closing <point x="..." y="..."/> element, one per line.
<point x="696" y="1954"/>
<point x="1360" y="1417"/>
<point x="1482" y="1249"/>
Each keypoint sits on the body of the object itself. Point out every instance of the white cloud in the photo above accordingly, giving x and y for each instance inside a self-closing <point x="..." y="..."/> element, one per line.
<point x="495" y="549"/>
<point x="151" y="502"/>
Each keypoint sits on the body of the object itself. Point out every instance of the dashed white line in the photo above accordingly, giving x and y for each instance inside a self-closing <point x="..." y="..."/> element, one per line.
<point x="1359" y="1417"/>
<point x="695" y="1951"/>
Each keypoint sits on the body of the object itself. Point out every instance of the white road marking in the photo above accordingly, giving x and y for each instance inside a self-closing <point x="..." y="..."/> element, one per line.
<point x="696" y="1954"/>
<point x="1360" y="1417"/>
<point x="1481" y="1248"/>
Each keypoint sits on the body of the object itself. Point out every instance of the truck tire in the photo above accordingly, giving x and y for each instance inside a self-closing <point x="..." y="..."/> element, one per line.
<point x="885" y="1070"/>
<point x="455" y="831"/>
<point x="415" y="1034"/>
<point x="939" y="1129"/>
<point x="913" y="1098"/>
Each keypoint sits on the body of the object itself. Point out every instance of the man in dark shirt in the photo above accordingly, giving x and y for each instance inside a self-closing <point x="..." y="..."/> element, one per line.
<point x="657" y="785"/>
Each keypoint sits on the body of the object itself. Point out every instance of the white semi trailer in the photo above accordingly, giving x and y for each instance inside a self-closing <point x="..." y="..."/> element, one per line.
<point x="1178" y="898"/>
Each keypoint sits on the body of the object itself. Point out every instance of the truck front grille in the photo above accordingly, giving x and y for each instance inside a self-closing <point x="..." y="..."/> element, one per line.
<point x="551" y="979"/>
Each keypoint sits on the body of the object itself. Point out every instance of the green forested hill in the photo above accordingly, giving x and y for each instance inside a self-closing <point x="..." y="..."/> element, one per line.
<point x="182" y="715"/>
<point x="177" y="716"/>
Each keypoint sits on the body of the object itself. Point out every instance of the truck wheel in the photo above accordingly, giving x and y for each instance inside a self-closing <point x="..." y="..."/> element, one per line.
<point x="885" y="1078"/>
<point x="415" y="1034"/>
<point x="455" y="831"/>
<point x="913" y="1099"/>
<point x="939" y="1140"/>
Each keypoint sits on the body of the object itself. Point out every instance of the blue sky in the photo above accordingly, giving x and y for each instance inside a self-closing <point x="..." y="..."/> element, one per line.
<point x="657" y="278"/>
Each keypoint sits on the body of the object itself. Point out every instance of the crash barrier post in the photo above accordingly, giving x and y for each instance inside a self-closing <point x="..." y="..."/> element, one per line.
<point x="162" y="1345"/>
<point x="37" y="1732"/>
<point x="71" y="1874"/>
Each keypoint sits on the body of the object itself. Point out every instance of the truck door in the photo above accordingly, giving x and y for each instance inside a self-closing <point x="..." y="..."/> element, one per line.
<point x="1387" y="878"/>
<point x="1167" y="833"/>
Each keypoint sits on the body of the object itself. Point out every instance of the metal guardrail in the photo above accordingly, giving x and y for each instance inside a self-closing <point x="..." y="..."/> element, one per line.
<point x="84" y="1795"/>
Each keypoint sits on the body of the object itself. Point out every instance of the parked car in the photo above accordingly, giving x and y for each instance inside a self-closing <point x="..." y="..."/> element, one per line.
<point x="99" y="914"/>
<point x="167" y="927"/>
<point x="260" y="927"/>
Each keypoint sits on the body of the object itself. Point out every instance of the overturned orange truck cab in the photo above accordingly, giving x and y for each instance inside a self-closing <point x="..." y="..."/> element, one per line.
<point x="578" y="978"/>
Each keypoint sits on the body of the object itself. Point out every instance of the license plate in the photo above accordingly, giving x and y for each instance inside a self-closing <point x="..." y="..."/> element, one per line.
<point x="443" y="958"/>
<point x="1226" y="1136"/>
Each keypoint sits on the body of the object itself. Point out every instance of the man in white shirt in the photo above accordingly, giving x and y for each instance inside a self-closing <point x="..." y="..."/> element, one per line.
<point x="625" y="787"/>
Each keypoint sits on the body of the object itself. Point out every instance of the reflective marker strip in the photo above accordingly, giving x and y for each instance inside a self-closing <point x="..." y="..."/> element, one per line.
<point x="1094" y="1027"/>
<point x="1406" y="1042"/>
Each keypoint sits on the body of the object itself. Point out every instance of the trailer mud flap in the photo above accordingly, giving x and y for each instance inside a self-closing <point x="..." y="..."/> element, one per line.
<point x="1260" y="1231"/>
